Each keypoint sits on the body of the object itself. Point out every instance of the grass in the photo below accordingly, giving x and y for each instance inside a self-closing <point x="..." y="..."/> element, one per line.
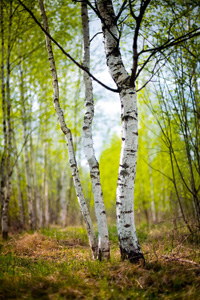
<point x="56" y="264"/>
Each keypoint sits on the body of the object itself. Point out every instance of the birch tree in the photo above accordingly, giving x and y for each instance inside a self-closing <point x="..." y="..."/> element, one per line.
<point x="6" y="172"/>
<point x="32" y="219"/>
<point x="19" y="194"/>
<point x="3" y="158"/>
<point x="46" y="188"/>
<point x="63" y="202"/>
<point x="126" y="85"/>
<point x="128" y="241"/>
<point x="68" y="136"/>
<point x="149" y="50"/>
<point x="103" y="240"/>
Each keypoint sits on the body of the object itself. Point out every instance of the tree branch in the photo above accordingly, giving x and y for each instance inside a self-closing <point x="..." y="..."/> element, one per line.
<point x="64" y="52"/>
<point x="95" y="36"/>
<point x="171" y="43"/>
<point x="120" y="11"/>
<point x="138" y="19"/>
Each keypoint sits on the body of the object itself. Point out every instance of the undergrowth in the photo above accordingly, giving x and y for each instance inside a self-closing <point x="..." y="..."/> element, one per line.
<point x="57" y="264"/>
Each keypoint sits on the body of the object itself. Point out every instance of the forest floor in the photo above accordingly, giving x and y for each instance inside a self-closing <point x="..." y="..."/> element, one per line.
<point x="57" y="264"/>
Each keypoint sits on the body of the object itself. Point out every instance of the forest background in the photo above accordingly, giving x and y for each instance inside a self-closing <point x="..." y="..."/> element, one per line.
<point x="168" y="159"/>
<point x="33" y="148"/>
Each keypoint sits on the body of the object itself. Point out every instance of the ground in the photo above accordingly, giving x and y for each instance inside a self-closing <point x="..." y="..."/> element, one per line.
<point x="57" y="264"/>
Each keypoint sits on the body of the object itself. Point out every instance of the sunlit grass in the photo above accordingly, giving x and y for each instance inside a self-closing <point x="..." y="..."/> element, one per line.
<point x="57" y="264"/>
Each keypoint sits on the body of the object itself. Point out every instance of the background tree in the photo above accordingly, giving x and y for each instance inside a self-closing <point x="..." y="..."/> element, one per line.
<point x="164" y="35"/>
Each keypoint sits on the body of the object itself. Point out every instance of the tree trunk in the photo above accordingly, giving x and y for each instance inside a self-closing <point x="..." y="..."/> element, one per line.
<point x="19" y="190"/>
<point x="153" y="208"/>
<point x="6" y="184"/>
<point x="176" y="190"/>
<point x="68" y="136"/>
<point x="129" y="245"/>
<point x="32" y="174"/>
<point x="63" y="198"/>
<point x="9" y="147"/>
<point x="128" y="241"/>
<point x="26" y="159"/>
<point x="20" y="197"/>
<point x="46" y="187"/>
<point x="3" y="158"/>
<point x="143" y="201"/>
<point x="103" y="240"/>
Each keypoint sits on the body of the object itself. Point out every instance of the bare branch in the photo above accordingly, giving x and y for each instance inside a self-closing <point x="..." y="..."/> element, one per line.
<point x="120" y="11"/>
<point x="131" y="10"/>
<point x="158" y="171"/>
<point x="143" y="8"/>
<point x="64" y="52"/>
<point x="95" y="36"/>
<point x="173" y="42"/>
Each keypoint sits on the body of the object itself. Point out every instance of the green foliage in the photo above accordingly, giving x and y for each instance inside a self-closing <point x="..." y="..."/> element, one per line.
<point x="166" y="149"/>
<point x="108" y="164"/>
<point x="150" y="184"/>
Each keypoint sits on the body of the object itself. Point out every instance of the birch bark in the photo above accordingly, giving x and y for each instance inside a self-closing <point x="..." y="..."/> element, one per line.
<point x="4" y="225"/>
<point x="45" y="187"/>
<point x="32" y="173"/>
<point x="7" y="130"/>
<point x="26" y="159"/>
<point x="103" y="239"/>
<point x="9" y="135"/>
<point x="68" y="136"/>
<point x="9" y="148"/>
<point x="128" y="241"/>
<point x="19" y="190"/>
<point x="39" y="207"/>
<point x="63" y="200"/>
<point x="20" y="197"/>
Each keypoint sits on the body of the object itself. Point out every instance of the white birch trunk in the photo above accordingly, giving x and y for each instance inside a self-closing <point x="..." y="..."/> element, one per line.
<point x="103" y="239"/>
<point x="26" y="159"/>
<point x="68" y="137"/>
<point x="4" y="225"/>
<point x="63" y="199"/>
<point x="129" y="245"/>
<point x="39" y="209"/>
<point x="20" y="198"/>
<point x="7" y="130"/>
<point x="128" y="241"/>
<point x="33" y="181"/>
<point x="46" y="197"/>
<point x="46" y="188"/>
<point x="37" y="194"/>
<point x="19" y="190"/>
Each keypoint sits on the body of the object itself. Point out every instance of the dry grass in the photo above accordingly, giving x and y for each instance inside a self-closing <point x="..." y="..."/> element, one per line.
<point x="49" y="266"/>
<point x="32" y="245"/>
